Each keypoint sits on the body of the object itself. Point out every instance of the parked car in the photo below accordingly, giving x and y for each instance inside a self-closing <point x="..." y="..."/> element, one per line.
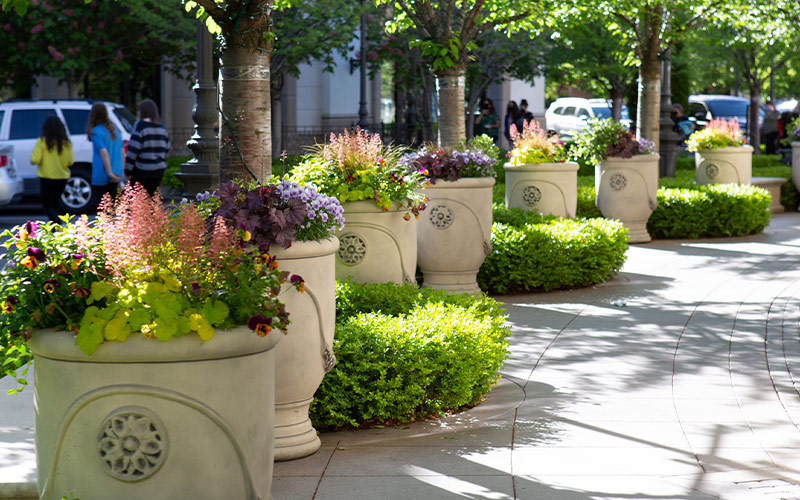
<point x="703" y="108"/>
<point x="11" y="184"/>
<point x="568" y="115"/>
<point x="21" y="124"/>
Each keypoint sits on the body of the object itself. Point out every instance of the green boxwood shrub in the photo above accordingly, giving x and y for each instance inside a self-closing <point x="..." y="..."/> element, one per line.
<point x="713" y="210"/>
<point x="404" y="353"/>
<point x="532" y="252"/>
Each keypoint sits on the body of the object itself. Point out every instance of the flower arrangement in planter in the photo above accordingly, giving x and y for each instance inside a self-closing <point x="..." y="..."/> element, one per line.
<point x="295" y="223"/>
<point x="357" y="166"/>
<point x="277" y="213"/>
<point x="605" y="139"/>
<point x="378" y="193"/>
<point x="625" y="175"/>
<point x="538" y="175"/>
<point x="159" y="301"/>
<point x="459" y="216"/>
<point x="718" y="133"/>
<point x="138" y="269"/>
<point x="532" y="146"/>
<point x="721" y="157"/>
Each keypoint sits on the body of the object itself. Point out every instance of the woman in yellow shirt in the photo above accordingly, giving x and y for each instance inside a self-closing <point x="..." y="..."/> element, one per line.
<point x="53" y="155"/>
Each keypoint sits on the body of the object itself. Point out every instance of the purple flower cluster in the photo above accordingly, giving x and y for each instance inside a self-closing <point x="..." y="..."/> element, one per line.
<point x="319" y="207"/>
<point x="279" y="214"/>
<point x="646" y="146"/>
<point x="450" y="166"/>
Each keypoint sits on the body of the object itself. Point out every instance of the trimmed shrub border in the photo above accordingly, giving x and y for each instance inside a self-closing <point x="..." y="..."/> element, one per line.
<point x="532" y="252"/>
<point x="405" y="353"/>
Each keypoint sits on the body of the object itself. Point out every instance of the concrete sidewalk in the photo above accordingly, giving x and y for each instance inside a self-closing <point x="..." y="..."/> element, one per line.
<point x="675" y="380"/>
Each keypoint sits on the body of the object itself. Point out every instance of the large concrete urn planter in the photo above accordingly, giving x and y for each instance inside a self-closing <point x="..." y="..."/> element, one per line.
<point x="454" y="233"/>
<point x="796" y="164"/>
<point x="376" y="246"/>
<point x="306" y="354"/>
<point x="731" y="165"/>
<point x="626" y="190"/>
<point x="146" y="419"/>
<point x="550" y="188"/>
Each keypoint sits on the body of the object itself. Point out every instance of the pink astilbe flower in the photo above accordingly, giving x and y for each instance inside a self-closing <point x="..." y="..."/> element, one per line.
<point x="191" y="232"/>
<point x="134" y="227"/>
<point x="353" y="151"/>
<point x="222" y="240"/>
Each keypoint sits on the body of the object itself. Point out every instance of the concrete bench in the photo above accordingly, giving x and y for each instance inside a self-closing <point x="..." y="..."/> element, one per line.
<point x="773" y="185"/>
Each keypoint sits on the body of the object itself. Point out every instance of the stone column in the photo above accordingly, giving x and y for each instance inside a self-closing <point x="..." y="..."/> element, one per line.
<point x="201" y="173"/>
<point x="668" y="139"/>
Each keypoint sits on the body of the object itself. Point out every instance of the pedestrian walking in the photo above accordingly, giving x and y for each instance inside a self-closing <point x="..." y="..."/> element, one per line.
<point x="107" y="152"/>
<point x="512" y="114"/>
<point x="146" y="159"/>
<point x="770" y="128"/>
<point x="52" y="155"/>
<point x="489" y="121"/>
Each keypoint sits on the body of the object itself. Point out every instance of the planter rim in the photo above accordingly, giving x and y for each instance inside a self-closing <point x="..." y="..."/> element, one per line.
<point x="728" y="149"/>
<point x="303" y="249"/>
<point x="463" y="183"/>
<point x="567" y="166"/>
<point x="239" y="341"/>
<point x="795" y="144"/>
<point x="647" y="158"/>
<point x="367" y="207"/>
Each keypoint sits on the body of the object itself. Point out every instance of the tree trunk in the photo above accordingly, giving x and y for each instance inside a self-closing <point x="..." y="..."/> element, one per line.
<point x="72" y="87"/>
<point x="649" y="105"/>
<point x="245" y="133"/>
<point x="452" y="127"/>
<point x="277" y="124"/>
<point x="427" y="111"/>
<point x="754" y="128"/>
<point x="617" y="94"/>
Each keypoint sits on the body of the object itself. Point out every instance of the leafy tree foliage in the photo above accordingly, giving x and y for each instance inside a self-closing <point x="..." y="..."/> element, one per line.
<point x="78" y="41"/>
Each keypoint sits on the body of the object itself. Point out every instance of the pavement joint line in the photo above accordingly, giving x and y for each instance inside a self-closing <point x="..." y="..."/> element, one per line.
<point x="325" y="469"/>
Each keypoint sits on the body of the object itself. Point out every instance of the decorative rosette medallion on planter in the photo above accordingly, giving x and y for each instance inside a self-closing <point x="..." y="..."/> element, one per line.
<point x="454" y="233"/>
<point x="380" y="198"/>
<point x="720" y="156"/>
<point x="625" y="175"/>
<point x="538" y="177"/>
<point x="143" y="367"/>
<point x="303" y="247"/>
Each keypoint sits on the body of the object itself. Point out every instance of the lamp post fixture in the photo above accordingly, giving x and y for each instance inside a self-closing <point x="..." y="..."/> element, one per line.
<point x="202" y="172"/>
<point x="668" y="139"/>
<point x="362" y="103"/>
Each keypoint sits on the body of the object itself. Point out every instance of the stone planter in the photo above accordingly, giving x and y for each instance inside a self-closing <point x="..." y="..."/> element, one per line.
<point x="796" y="164"/>
<point x="454" y="233"/>
<point x="626" y="190"/>
<point x="305" y="355"/>
<point x="733" y="165"/>
<point x="146" y="419"/>
<point x="550" y="188"/>
<point x="376" y="246"/>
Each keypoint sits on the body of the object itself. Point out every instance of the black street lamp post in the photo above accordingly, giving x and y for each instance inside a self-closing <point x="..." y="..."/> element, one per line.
<point x="362" y="103"/>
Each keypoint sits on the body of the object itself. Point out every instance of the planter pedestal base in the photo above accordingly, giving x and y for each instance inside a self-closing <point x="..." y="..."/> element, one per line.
<point x="453" y="281"/>
<point x="637" y="232"/>
<point x="294" y="435"/>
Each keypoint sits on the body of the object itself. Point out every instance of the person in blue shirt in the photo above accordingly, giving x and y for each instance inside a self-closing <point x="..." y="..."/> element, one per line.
<point x="107" y="159"/>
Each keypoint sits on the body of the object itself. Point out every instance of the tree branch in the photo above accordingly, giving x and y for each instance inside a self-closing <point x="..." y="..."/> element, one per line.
<point x="217" y="14"/>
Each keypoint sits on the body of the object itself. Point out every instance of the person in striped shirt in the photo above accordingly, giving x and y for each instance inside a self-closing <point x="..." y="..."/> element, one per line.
<point x="146" y="159"/>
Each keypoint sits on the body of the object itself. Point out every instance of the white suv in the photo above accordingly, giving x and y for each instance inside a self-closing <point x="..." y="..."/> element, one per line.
<point x="21" y="124"/>
<point x="568" y="115"/>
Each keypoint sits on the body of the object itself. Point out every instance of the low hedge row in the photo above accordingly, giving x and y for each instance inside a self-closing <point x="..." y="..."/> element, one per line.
<point x="405" y="352"/>
<point x="532" y="252"/>
<point x="713" y="210"/>
<point x="686" y="210"/>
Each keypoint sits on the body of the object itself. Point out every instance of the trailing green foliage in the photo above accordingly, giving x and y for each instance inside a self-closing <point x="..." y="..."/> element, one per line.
<point x="713" y="210"/>
<point x="532" y="252"/>
<point x="404" y="352"/>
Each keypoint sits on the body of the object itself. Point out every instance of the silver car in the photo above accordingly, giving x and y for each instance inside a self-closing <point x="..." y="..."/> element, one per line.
<point x="11" y="185"/>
